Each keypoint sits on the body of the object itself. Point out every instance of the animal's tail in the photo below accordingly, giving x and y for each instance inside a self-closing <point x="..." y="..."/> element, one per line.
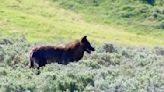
<point x="31" y="63"/>
<point x="31" y="60"/>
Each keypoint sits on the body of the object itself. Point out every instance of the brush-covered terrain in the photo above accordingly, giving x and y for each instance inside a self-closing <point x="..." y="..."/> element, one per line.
<point x="128" y="36"/>
<point x="112" y="68"/>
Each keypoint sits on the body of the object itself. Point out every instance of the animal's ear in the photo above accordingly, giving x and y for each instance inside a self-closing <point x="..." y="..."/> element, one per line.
<point x="84" y="39"/>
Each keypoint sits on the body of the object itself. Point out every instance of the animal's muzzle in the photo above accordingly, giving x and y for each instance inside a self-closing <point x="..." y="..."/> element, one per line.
<point x="89" y="50"/>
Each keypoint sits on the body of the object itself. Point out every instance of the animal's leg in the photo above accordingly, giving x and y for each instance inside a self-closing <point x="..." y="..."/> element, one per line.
<point x="65" y="59"/>
<point x="40" y="65"/>
<point x="42" y="62"/>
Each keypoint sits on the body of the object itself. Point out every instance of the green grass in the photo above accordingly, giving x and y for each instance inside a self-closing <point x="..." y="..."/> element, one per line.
<point x="124" y="12"/>
<point x="137" y="16"/>
<point x="44" y="20"/>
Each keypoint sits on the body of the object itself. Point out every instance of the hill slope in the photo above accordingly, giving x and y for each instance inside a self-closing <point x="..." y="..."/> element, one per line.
<point x="144" y="17"/>
<point x="43" y="20"/>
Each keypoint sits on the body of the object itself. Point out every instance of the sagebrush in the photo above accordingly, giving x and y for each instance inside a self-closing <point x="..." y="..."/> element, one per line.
<point x="111" y="68"/>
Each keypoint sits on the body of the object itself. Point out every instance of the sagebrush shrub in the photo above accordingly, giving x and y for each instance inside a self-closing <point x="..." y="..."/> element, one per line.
<point x="110" y="68"/>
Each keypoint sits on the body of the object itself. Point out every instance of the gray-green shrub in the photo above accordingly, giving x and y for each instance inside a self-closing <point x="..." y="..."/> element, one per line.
<point x="122" y="69"/>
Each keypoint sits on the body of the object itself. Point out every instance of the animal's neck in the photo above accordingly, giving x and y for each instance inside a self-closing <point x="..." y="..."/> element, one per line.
<point x="72" y="45"/>
<point x="76" y="50"/>
<point x="78" y="53"/>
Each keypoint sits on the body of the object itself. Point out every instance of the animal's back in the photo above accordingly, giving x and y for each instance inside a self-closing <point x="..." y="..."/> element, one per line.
<point x="45" y="54"/>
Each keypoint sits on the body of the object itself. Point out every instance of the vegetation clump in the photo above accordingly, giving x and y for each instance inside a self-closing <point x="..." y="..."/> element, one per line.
<point x="122" y="69"/>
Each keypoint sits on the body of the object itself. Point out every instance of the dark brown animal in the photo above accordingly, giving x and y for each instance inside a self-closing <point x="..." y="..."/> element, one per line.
<point x="61" y="54"/>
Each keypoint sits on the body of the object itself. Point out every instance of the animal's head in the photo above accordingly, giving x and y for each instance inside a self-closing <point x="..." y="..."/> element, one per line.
<point x="86" y="44"/>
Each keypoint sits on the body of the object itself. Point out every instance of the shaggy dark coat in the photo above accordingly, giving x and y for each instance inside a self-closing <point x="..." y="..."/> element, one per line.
<point x="61" y="54"/>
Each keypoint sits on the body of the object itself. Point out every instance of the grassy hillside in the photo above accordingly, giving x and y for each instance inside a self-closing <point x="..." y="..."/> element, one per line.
<point x="44" y="20"/>
<point x="143" y="17"/>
